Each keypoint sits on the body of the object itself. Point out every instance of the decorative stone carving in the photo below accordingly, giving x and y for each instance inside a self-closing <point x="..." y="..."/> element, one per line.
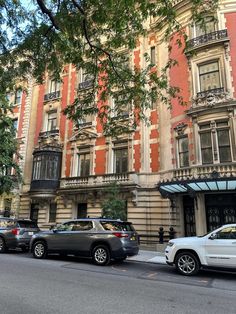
<point x="211" y="98"/>
<point x="83" y="135"/>
<point x="180" y="128"/>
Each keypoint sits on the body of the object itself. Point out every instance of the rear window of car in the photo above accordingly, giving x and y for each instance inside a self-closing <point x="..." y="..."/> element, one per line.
<point x="6" y="223"/>
<point x="27" y="224"/>
<point x="117" y="226"/>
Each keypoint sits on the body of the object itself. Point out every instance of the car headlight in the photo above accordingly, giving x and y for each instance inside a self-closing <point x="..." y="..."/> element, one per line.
<point x="170" y="243"/>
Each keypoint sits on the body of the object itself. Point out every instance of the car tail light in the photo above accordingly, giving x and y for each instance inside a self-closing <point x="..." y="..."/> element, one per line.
<point x="15" y="231"/>
<point x="120" y="235"/>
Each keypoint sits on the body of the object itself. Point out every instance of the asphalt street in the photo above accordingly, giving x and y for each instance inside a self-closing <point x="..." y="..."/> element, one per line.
<point x="72" y="285"/>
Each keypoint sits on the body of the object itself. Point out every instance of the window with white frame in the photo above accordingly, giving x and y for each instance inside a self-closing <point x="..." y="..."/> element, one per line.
<point x="54" y="86"/>
<point x="51" y="120"/>
<point x="153" y="55"/>
<point x="209" y="76"/>
<point x="18" y="96"/>
<point x="120" y="158"/>
<point x="206" y="26"/>
<point x="83" y="164"/>
<point x="85" y="76"/>
<point x="86" y="120"/>
<point x="215" y="142"/>
<point x="15" y="125"/>
<point x="183" y="151"/>
<point x="120" y="105"/>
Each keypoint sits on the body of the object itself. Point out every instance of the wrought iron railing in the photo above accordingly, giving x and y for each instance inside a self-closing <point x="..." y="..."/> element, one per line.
<point x="207" y="38"/>
<point x="49" y="133"/>
<point x="85" y="85"/>
<point x="214" y="91"/>
<point x="52" y="96"/>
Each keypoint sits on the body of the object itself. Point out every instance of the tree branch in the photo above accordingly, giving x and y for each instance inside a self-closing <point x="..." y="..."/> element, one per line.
<point x="45" y="10"/>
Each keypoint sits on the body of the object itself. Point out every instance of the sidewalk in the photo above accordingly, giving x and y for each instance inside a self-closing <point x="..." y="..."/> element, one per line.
<point x="149" y="257"/>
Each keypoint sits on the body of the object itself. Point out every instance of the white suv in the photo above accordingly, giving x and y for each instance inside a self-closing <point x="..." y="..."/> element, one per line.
<point x="216" y="249"/>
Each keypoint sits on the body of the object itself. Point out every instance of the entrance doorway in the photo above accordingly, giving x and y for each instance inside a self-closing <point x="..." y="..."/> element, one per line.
<point x="189" y="216"/>
<point x="220" y="210"/>
<point x="34" y="212"/>
<point x="82" y="210"/>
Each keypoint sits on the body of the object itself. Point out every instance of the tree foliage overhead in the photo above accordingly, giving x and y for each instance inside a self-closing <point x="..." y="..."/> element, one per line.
<point x="94" y="35"/>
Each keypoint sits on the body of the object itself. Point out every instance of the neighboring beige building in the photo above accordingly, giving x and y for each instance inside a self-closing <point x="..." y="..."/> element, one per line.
<point x="21" y="115"/>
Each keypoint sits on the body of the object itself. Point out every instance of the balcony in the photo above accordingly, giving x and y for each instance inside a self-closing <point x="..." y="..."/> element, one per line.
<point x="207" y="178"/>
<point x="207" y="39"/>
<point x="41" y="185"/>
<point x="52" y="96"/>
<point x="129" y="178"/>
<point x="207" y="93"/>
<point x="206" y="171"/>
<point x="208" y="99"/>
<point x="51" y="133"/>
<point x="85" y="85"/>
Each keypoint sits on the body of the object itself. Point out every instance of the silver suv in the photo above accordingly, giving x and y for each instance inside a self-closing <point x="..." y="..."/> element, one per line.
<point x="16" y="233"/>
<point x="98" y="238"/>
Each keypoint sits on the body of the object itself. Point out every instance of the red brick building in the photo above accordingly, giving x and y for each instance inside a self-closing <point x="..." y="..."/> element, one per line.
<point x="179" y="170"/>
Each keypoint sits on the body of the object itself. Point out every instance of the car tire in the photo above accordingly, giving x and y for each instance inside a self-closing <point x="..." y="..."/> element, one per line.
<point x="3" y="247"/>
<point x="39" y="250"/>
<point x="187" y="263"/>
<point x="101" y="255"/>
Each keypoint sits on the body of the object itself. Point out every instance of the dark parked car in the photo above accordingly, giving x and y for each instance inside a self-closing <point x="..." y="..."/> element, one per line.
<point x="99" y="239"/>
<point x="16" y="233"/>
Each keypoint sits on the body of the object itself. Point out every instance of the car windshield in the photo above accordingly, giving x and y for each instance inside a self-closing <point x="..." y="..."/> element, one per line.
<point x="117" y="226"/>
<point x="27" y="224"/>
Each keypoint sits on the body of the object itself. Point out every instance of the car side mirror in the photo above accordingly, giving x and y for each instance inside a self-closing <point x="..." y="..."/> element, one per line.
<point x="213" y="236"/>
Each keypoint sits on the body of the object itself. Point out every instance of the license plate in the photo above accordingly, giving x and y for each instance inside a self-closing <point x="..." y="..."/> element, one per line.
<point x="30" y="233"/>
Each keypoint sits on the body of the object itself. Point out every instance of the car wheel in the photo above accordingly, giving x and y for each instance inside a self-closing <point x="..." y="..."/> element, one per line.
<point x="3" y="247"/>
<point x="39" y="250"/>
<point x="101" y="255"/>
<point x="187" y="264"/>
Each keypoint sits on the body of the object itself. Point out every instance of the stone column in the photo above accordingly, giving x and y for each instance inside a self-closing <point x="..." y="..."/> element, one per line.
<point x="200" y="214"/>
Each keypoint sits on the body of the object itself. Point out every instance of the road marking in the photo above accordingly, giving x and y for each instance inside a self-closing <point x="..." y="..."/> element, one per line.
<point x="205" y="281"/>
<point x="151" y="275"/>
<point x="119" y="269"/>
